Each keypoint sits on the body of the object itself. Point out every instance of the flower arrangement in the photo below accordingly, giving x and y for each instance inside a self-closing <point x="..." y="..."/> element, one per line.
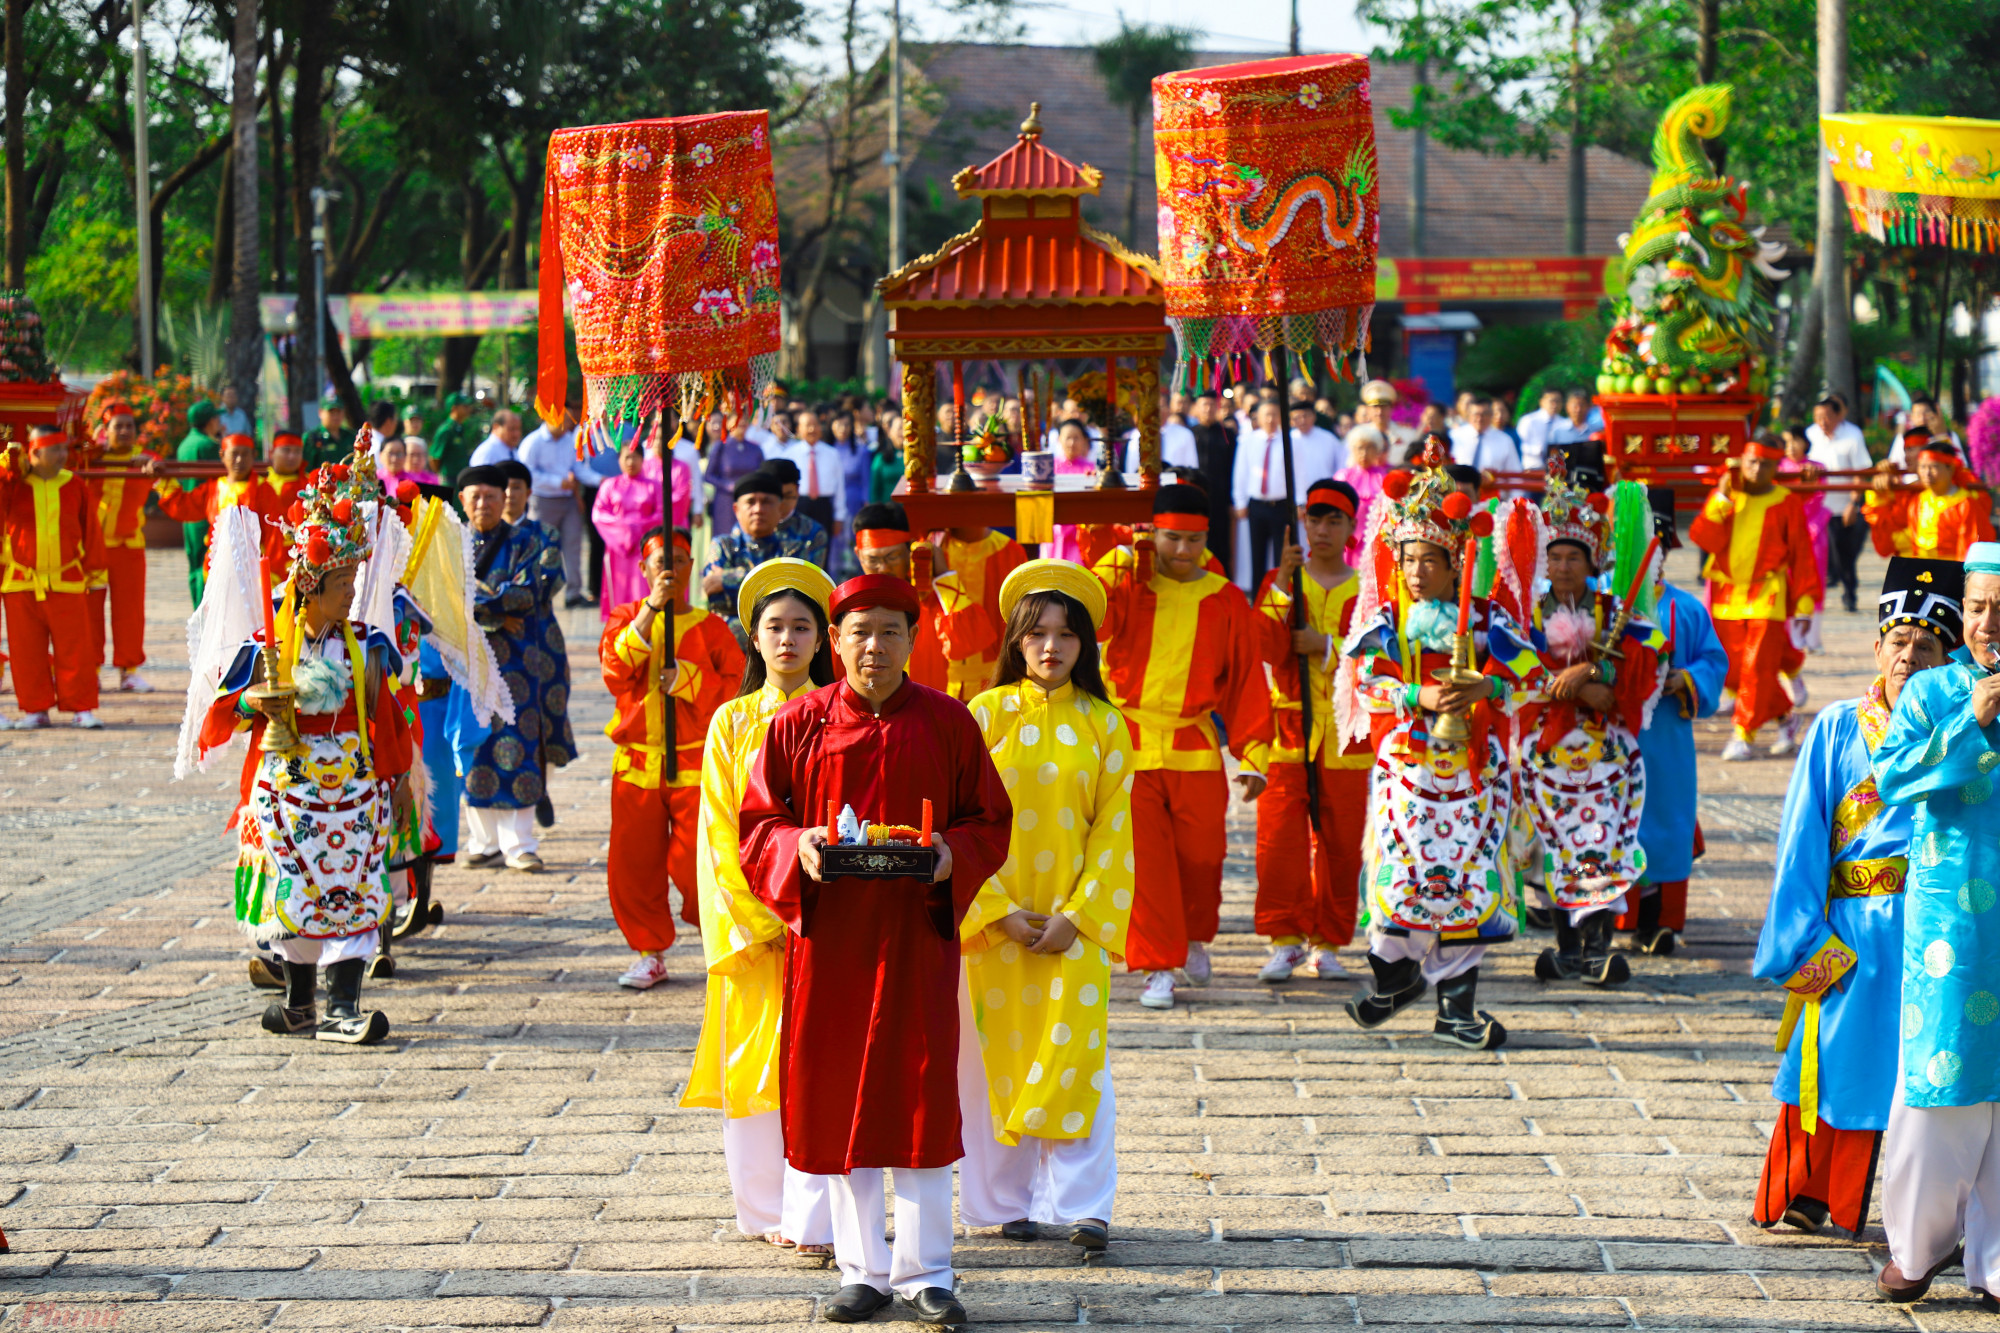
<point x="160" y="404"/>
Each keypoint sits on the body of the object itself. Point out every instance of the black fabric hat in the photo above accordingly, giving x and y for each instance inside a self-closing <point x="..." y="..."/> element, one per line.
<point x="759" y="482"/>
<point x="1930" y="593"/>
<point x="784" y="469"/>
<point x="482" y="475"/>
<point x="513" y="469"/>
<point x="1661" y="501"/>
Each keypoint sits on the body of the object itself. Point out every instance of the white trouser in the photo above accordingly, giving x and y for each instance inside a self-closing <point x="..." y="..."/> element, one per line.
<point x="1539" y="897"/>
<point x="771" y="1196"/>
<point x="1941" y="1182"/>
<point x="1041" y="1180"/>
<point x="922" y="1255"/>
<point x="1441" y="962"/>
<point x="490" y="829"/>
<point x="326" y="953"/>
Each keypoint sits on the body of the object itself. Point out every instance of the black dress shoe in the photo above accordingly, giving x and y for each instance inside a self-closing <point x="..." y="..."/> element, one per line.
<point x="854" y="1304"/>
<point x="936" y="1305"/>
<point x="1021" y="1230"/>
<point x="1090" y="1234"/>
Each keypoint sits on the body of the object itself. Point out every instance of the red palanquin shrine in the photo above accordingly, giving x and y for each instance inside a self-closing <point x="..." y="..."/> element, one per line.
<point x="1030" y="281"/>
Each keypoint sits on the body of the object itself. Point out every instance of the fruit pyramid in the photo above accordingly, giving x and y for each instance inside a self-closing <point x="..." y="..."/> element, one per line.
<point x="24" y="356"/>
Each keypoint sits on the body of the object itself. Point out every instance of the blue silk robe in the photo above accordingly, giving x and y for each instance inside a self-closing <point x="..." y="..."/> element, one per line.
<point x="1666" y="825"/>
<point x="519" y="570"/>
<point x="1940" y="762"/>
<point x="1833" y="934"/>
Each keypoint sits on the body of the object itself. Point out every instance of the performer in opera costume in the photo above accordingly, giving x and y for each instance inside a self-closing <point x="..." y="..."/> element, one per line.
<point x="54" y="553"/>
<point x="1833" y="933"/>
<point x="958" y="635"/>
<point x="1943" y="517"/>
<point x="1034" y="1086"/>
<point x="1308" y="903"/>
<point x="316" y="819"/>
<point x="736" y="1058"/>
<point x="121" y="513"/>
<point x="1941" y="1154"/>
<point x="1181" y="643"/>
<point x="1578" y="716"/>
<point x="1695" y="668"/>
<point x="1438" y="808"/>
<point x="869" y="1077"/>
<point x="1763" y="581"/>
<point x="653" y="813"/>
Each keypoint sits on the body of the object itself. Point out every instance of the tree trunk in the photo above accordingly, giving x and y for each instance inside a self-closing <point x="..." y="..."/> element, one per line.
<point x="274" y="79"/>
<point x="1830" y="256"/>
<point x="1132" y="183"/>
<point x="246" y="340"/>
<point x="1576" y="210"/>
<point x="222" y="242"/>
<point x="1707" y="61"/>
<point x="1799" y="378"/>
<point x="17" y="144"/>
<point x="308" y="88"/>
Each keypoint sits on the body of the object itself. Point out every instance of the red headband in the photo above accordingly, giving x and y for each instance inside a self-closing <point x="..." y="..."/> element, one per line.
<point x="1181" y="522"/>
<point x="1326" y="495"/>
<point x="656" y="545"/>
<point x="874" y="539"/>
<point x="119" y="410"/>
<point x="1758" y="449"/>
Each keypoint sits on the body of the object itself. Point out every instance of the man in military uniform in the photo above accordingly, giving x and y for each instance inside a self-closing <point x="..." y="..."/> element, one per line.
<point x="331" y="441"/>
<point x="455" y="438"/>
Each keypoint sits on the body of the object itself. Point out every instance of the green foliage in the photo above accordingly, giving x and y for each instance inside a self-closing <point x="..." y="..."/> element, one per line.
<point x="1560" y="354"/>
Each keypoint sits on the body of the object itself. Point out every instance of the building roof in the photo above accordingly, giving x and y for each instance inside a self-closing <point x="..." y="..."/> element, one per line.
<point x="1478" y="205"/>
<point x="1028" y="168"/>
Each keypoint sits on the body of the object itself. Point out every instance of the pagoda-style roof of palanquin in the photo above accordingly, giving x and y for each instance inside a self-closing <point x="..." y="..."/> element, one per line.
<point x="1030" y="256"/>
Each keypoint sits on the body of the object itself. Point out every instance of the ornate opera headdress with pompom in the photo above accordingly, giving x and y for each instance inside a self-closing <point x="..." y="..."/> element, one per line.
<point x="327" y="526"/>
<point x="1422" y="505"/>
<point x="1574" y="514"/>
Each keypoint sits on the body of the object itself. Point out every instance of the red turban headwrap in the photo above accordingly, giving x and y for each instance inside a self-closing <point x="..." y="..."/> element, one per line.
<point x="872" y="590"/>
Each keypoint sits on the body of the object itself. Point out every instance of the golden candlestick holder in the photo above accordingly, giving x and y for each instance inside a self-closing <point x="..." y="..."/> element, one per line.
<point x="1450" y="728"/>
<point x="281" y="733"/>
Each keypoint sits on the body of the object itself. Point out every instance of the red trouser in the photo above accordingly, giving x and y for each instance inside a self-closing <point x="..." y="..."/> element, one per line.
<point x="1315" y="896"/>
<point x="1178" y="844"/>
<point x="652" y="837"/>
<point x="50" y="641"/>
<point x="127" y="566"/>
<point x="1835" y="1167"/>
<point x="1673" y="906"/>
<point x="1759" y="651"/>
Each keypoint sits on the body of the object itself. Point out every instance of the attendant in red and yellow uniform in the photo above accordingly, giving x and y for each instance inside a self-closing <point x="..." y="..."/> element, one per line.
<point x="653" y="813"/>
<point x="1308" y="902"/>
<point x="956" y="633"/>
<point x="1763" y="580"/>
<point x="1947" y="513"/>
<point x="980" y="559"/>
<point x="54" y="549"/>
<point x="276" y="490"/>
<point x="121" y="514"/>
<point x="1180" y="643"/>
<point x="239" y="486"/>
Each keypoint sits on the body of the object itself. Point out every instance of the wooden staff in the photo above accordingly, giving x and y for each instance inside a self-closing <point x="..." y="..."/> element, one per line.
<point x="1279" y="355"/>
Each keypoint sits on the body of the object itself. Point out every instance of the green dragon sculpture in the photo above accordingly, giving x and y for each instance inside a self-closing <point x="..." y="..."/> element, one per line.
<point x="1699" y="283"/>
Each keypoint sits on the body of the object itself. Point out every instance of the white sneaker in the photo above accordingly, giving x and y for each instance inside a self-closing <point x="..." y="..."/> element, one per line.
<point x="31" y="721"/>
<point x="1796" y="687"/>
<point x="1788" y="735"/>
<point x="88" y="721"/>
<point x="1159" y="992"/>
<point x="1284" y="959"/>
<point x="1197" y="966"/>
<point x="1737" y="750"/>
<point x="134" y="683"/>
<point x="1326" y="964"/>
<point x="648" y="972"/>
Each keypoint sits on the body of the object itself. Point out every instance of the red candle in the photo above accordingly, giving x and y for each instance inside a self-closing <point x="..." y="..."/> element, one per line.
<point x="926" y="840"/>
<point x="1465" y="585"/>
<point x="270" y="617"/>
<point x="1110" y="393"/>
<point x="832" y="819"/>
<point x="958" y="402"/>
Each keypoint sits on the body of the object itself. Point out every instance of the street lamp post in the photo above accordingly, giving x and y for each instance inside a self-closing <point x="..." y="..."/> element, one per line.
<point x="319" y="198"/>
<point x="142" y="186"/>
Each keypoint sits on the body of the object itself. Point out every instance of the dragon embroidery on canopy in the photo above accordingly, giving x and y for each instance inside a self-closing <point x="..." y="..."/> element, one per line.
<point x="1254" y="219"/>
<point x="1696" y="314"/>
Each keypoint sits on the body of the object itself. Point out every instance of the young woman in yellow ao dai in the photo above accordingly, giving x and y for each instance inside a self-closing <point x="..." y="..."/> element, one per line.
<point x="736" y="1056"/>
<point x="1040" y="939"/>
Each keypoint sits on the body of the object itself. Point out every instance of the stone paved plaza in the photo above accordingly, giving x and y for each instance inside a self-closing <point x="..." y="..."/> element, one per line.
<point x="513" y="1156"/>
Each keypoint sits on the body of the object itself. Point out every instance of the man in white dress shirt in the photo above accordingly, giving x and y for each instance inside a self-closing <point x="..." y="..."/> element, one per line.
<point x="503" y="441"/>
<point x="1835" y="443"/>
<point x="557" y="478"/>
<point x="822" y="485"/>
<point x="1177" y="448"/>
<point x="1535" y="430"/>
<point x="1478" y="443"/>
<point x="1923" y="415"/>
<point x="1377" y="409"/>
<point x="1259" y="488"/>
